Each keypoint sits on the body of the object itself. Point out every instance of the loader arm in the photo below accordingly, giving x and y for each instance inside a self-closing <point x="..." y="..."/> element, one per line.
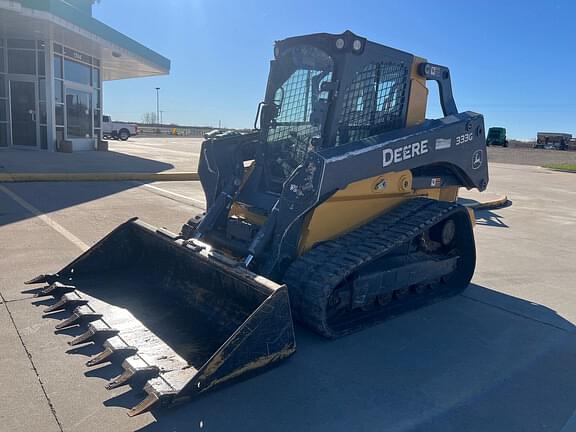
<point x="340" y="211"/>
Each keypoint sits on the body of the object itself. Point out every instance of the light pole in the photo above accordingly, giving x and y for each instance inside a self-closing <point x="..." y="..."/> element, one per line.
<point x="157" y="104"/>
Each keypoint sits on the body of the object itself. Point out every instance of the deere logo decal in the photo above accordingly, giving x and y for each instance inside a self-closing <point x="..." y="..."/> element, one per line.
<point x="477" y="159"/>
<point x="390" y="156"/>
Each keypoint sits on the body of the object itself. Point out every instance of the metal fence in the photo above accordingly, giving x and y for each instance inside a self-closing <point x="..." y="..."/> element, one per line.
<point x="193" y="132"/>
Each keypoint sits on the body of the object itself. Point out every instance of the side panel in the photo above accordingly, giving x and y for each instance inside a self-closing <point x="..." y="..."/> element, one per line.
<point x="355" y="205"/>
<point x="361" y="202"/>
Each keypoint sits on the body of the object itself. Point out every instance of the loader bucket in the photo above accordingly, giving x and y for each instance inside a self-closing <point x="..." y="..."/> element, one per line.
<point x="181" y="318"/>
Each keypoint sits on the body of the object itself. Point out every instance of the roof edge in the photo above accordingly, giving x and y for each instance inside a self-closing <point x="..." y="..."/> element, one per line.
<point x="76" y="17"/>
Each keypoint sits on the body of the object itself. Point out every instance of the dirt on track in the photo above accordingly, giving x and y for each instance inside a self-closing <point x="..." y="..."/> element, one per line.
<point x="530" y="156"/>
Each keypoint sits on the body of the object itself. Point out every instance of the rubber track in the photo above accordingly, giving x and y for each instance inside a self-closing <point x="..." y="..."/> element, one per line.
<point x="312" y="278"/>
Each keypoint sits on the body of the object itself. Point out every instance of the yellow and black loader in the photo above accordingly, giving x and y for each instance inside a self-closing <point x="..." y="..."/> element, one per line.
<point x="339" y="210"/>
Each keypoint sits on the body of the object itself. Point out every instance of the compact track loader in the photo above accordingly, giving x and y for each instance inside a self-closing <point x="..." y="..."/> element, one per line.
<point x="339" y="210"/>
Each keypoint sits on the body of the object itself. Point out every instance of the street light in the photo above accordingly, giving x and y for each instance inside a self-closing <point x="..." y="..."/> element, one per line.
<point x="157" y="104"/>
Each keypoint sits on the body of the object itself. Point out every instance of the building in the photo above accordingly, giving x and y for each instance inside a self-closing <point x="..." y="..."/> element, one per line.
<point x="53" y="58"/>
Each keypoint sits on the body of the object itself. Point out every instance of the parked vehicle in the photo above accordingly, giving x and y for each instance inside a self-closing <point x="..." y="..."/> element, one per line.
<point x="553" y="140"/>
<point x="497" y="136"/>
<point x="220" y="133"/>
<point x="117" y="130"/>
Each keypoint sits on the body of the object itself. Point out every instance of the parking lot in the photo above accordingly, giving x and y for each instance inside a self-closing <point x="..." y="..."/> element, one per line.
<point x="530" y="156"/>
<point x="499" y="357"/>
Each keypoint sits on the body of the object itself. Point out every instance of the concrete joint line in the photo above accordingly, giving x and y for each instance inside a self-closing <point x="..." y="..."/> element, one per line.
<point x="29" y="355"/>
<point x="17" y="300"/>
<point x="518" y="314"/>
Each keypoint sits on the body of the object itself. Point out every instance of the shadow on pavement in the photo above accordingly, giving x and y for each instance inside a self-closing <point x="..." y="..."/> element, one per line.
<point x="490" y="218"/>
<point x="106" y="371"/>
<point x="127" y="400"/>
<point x="53" y="196"/>
<point x="482" y="361"/>
<point x="22" y="161"/>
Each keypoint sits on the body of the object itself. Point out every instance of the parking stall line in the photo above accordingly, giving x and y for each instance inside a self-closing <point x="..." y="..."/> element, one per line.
<point x="46" y="219"/>
<point x="153" y="147"/>
<point x="164" y="191"/>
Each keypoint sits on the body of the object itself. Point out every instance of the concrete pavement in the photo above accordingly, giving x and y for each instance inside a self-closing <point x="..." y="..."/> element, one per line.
<point x="149" y="155"/>
<point x="499" y="357"/>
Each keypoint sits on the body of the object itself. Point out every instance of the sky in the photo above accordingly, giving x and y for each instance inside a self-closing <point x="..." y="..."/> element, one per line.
<point x="513" y="61"/>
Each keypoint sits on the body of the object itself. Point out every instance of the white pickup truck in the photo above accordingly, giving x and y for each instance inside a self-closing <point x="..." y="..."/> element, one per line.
<point x="116" y="130"/>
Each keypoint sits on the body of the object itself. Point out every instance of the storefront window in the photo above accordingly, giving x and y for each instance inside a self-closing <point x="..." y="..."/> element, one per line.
<point x="60" y="114"/>
<point x="78" y="114"/>
<point x="77" y="72"/>
<point x="21" y="62"/>
<point x="3" y="108"/>
<point x="42" y="108"/>
<point x="3" y="134"/>
<point x="76" y="93"/>
<point x="58" y="91"/>
<point x="3" y="100"/>
<point x="21" y="43"/>
<point x="96" y="100"/>
<point x="96" y="78"/>
<point x="59" y="135"/>
<point x="42" y="89"/>
<point x="58" y="67"/>
<point x="43" y="137"/>
<point x="41" y="63"/>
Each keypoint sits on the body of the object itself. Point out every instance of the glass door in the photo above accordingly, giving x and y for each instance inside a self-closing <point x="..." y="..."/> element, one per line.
<point x="23" y="113"/>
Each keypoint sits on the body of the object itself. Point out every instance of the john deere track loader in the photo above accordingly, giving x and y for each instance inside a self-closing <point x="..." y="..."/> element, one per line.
<point x="339" y="210"/>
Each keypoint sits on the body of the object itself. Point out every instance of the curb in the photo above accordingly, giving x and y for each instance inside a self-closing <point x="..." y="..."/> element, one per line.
<point x="111" y="176"/>
<point x="499" y="202"/>
<point x="560" y="170"/>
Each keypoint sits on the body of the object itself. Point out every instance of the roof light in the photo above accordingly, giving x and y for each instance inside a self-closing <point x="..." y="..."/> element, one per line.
<point x="356" y="45"/>
<point x="340" y="43"/>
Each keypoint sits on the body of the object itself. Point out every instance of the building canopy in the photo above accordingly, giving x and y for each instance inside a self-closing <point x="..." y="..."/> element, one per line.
<point x="70" y="23"/>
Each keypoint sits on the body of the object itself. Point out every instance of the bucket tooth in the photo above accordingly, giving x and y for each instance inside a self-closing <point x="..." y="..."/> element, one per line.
<point x="112" y="347"/>
<point x="181" y="320"/>
<point x="55" y="289"/>
<point x="100" y="358"/>
<point x="159" y="392"/>
<point x="95" y="330"/>
<point x="120" y="380"/>
<point x="80" y="314"/>
<point x="146" y="405"/>
<point x="134" y="367"/>
<point x="43" y="278"/>
<point x="68" y="300"/>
